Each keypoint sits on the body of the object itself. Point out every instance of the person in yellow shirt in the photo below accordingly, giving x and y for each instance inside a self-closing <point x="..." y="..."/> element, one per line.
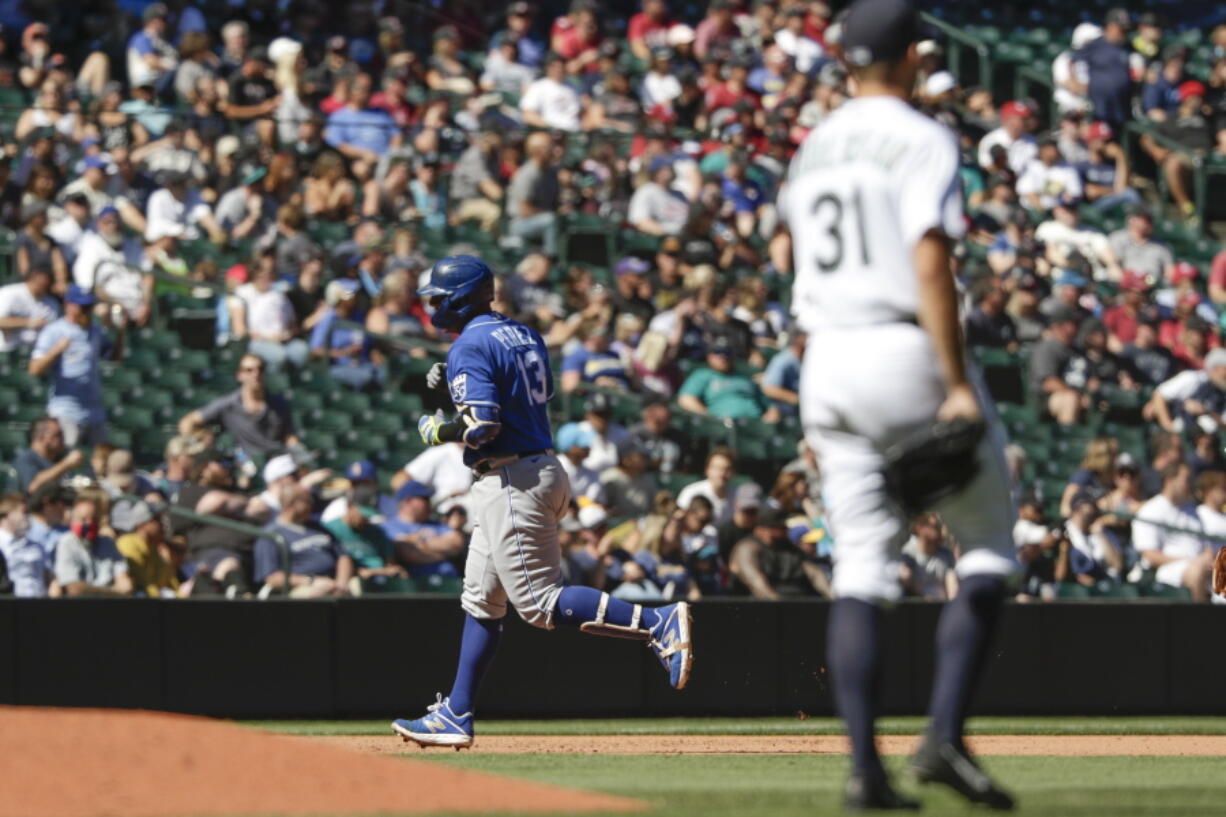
<point x="141" y="540"/>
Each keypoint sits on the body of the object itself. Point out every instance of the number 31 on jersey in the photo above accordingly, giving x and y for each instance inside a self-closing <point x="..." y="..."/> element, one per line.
<point x="836" y="217"/>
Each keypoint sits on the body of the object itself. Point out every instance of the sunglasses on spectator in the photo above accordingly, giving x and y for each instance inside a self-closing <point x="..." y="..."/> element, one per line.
<point x="251" y="369"/>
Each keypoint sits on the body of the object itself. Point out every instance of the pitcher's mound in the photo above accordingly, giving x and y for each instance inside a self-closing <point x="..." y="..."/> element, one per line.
<point x="90" y="763"/>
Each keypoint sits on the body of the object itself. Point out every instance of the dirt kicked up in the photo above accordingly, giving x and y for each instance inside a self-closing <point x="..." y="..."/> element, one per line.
<point x="86" y="763"/>
<point x="1017" y="745"/>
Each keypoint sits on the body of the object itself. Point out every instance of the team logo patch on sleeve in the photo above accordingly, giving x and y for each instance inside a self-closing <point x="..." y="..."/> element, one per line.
<point x="459" y="388"/>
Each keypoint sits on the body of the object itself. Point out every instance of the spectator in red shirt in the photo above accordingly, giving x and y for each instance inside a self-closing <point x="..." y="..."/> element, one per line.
<point x="734" y="89"/>
<point x="1189" y="337"/>
<point x="649" y="28"/>
<point x="576" y="36"/>
<point x="394" y="97"/>
<point x="1182" y="284"/>
<point x="817" y="21"/>
<point x="1121" y="320"/>
<point x="717" y="30"/>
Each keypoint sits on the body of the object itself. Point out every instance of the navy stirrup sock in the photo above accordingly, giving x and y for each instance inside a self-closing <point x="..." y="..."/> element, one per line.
<point x="477" y="648"/>
<point x="853" y="652"/>
<point x="581" y="605"/>
<point x="963" y="634"/>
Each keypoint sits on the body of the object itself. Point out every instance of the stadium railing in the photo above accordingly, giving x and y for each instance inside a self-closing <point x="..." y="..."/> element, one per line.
<point x="960" y="42"/>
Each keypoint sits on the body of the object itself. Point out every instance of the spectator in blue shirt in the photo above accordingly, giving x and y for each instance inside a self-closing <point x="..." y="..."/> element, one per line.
<point x="422" y="543"/>
<point x="429" y="199"/>
<point x="519" y="28"/>
<point x="781" y="380"/>
<point x="358" y="131"/>
<point x="1160" y="95"/>
<point x="594" y="364"/>
<point x="1106" y="60"/>
<point x="348" y="348"/>
<point x="318" y="565"/>
<point x="742" y="193"/>
<point x="151" y="59"/>
<point x="71" y="350"/>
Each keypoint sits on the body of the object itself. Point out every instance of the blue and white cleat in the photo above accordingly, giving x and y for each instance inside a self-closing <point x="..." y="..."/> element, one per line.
<point x="670" y="641"/>
<point x="439" y="727"/>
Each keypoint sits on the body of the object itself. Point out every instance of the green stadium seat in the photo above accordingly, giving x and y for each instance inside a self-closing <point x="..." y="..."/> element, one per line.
<point x="675" y="481"/>
<point x="303" y="401"/>
<point x="350" y="402"/>
<point x="131" y="418"/>
<point x="11" y="439"/>
<point x="122" y="380"/>
<point x="120" y="437"/>
<point x="317" y="440"/>
<point x="382" y="423"/>
<point x="170" y="380"/>
<point x="333" y="422"/>
<point x="150" y="337"/>
<point x="143" y="358"/>
<point x="1071" y="590"/>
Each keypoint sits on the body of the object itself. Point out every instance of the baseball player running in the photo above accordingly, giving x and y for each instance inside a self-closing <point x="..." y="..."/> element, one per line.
<point x="872" y="201"/>
<point x="498" y="376"/>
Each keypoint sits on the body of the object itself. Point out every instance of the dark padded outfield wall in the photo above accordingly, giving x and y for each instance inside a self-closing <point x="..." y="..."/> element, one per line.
<point x="381" y="657"/>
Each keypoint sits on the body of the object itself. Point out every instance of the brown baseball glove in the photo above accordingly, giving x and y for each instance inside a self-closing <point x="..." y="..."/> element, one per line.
<point x="1219" y="573"/>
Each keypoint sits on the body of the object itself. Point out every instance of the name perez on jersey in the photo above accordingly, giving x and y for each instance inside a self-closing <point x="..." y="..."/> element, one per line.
<point x="512" y="337"/>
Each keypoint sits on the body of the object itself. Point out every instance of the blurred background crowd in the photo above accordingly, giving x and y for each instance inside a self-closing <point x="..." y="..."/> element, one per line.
<point x="217" y="215"/>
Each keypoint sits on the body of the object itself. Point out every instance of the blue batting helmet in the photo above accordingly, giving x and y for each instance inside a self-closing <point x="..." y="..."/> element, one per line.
<point x="466" y="285"/>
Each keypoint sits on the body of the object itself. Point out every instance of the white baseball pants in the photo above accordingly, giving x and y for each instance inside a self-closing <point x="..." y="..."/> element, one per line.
<point x="514" y="554"/>
<point x="863" y="389"/>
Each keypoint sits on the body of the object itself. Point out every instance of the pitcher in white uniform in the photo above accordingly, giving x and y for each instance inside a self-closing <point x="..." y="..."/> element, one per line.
<point x="873" y="202"/>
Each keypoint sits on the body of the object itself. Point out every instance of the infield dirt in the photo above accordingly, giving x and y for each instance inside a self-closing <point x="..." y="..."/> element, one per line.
<point x="1016" y="745"/>
<point x="86" y="763"/>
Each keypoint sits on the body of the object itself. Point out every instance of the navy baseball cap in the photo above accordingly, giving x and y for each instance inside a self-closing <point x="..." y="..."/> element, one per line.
<point x="80" y="297"/>
<point x="878" y="31"/>
<point x="411" y="489"/>
<point x="360" y="471"/>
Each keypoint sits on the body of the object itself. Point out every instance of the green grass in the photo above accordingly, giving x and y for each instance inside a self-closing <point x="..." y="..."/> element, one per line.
<point x="788" y="786"/>
<point x="781" y="726"/>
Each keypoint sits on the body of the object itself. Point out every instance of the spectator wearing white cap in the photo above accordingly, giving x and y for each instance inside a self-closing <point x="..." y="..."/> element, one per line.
<point x="939" y="87"/>
<point x="1070" y="76"/>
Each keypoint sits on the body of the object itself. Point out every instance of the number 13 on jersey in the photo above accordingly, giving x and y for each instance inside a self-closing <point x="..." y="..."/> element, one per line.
<point x="532" y="370"/>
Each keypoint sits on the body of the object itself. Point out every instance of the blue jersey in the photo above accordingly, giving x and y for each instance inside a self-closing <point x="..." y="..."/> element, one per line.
<point x="500" y="368"/>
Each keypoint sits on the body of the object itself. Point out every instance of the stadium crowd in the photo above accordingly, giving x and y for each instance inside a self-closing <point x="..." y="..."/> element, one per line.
<point x="304" y="163"/>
